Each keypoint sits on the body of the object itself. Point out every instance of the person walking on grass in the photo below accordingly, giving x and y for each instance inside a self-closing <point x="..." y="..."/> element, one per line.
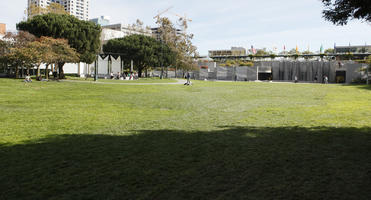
<point x="188" y="77"/>
<point x="326" y="80"/>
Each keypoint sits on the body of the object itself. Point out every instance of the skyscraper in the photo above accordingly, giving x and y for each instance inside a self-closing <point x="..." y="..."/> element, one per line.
<point x="77" y="8"/>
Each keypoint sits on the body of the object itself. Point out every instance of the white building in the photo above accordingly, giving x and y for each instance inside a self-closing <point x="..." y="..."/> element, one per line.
<point x="128" y="30"/>
<point x="77" y="8"/>
<point x="102" y="20"/>
<point x="109" y="34"/>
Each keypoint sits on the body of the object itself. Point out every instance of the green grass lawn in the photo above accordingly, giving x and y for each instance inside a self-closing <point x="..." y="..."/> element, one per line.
<point x="66" y="140"/>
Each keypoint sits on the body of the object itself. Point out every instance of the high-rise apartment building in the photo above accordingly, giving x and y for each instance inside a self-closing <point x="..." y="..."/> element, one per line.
<point x="77" y="8"/>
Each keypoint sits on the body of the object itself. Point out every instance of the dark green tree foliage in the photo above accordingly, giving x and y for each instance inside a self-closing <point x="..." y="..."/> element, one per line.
<point x="145" y="51"/>
<point x="81" y="35"/>
<point x="340" y="12"/>
<point x="3" y="49"/>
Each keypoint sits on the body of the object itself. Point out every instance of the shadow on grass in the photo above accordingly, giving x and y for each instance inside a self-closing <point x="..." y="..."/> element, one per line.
<point x="234" y="163"/>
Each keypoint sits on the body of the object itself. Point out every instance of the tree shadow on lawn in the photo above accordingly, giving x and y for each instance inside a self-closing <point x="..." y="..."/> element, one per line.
<point x="234" y="163"/>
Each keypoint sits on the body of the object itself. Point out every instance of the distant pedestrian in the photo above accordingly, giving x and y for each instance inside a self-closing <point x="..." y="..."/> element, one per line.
<point x="131" y="76"/>
<point x="296" y="79"/>
<point x="188" y="77"/>
<point x="325" y="80"/>
<point x="112" y="75"/>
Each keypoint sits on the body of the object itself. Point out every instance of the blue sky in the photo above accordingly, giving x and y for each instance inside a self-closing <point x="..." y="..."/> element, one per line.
<point x="222" y="24"/>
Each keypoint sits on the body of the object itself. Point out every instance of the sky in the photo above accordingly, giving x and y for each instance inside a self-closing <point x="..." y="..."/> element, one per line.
<point x="218" y="25"/>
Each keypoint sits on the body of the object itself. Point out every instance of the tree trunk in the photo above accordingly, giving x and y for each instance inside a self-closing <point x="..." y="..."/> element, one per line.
<point x="38" y="71"/>
<point x="140" y="72"/>
<point x="61" y="72"/>
<point x="16" y="71"/>
<point x="8" y="69"/>
<point x="47" y="71"/>
<point x="22" y="71"/>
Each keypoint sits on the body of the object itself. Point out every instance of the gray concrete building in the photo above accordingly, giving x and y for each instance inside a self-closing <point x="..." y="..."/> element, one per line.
<point x="353" y="49"/>
<point x="285" y="71"/>
<point x="234" y="51"/>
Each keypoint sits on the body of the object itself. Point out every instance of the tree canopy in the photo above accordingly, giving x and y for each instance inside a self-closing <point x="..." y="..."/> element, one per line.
<point x="179" y="42"/>
<point x="340" y="12"/>
<point x="58" y="51"/>
<point x="24" y="49"/>
<point x="262" y="52"/>
<point x="81" y="35"/>
<point x="145" y="51"/>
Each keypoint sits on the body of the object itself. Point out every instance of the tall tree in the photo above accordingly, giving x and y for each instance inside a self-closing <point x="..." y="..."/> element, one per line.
<point x="145" y="51"/>
<point x="43" y="50"/>
<point x="81" y="35"/>
<point x="15" y="41"/>
<point x="138" y="26"/>
<point x="340" y="12"/>
<point x="179" y="42"/>
<point x="30" y="55"/>
<point x="57" y="51"/>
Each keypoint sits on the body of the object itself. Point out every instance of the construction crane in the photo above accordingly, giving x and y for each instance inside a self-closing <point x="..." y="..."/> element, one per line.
<point x="161" y="13"/>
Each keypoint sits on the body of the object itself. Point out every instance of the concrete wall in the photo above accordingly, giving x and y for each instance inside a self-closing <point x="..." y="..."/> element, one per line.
<point x="305" y="71"/>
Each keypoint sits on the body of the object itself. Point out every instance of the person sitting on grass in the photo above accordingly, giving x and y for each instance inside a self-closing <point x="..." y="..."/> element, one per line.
<point x="28" y="79"/>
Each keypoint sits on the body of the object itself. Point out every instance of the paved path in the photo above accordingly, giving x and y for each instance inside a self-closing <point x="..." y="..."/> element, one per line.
<point x="179" y="82"/>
